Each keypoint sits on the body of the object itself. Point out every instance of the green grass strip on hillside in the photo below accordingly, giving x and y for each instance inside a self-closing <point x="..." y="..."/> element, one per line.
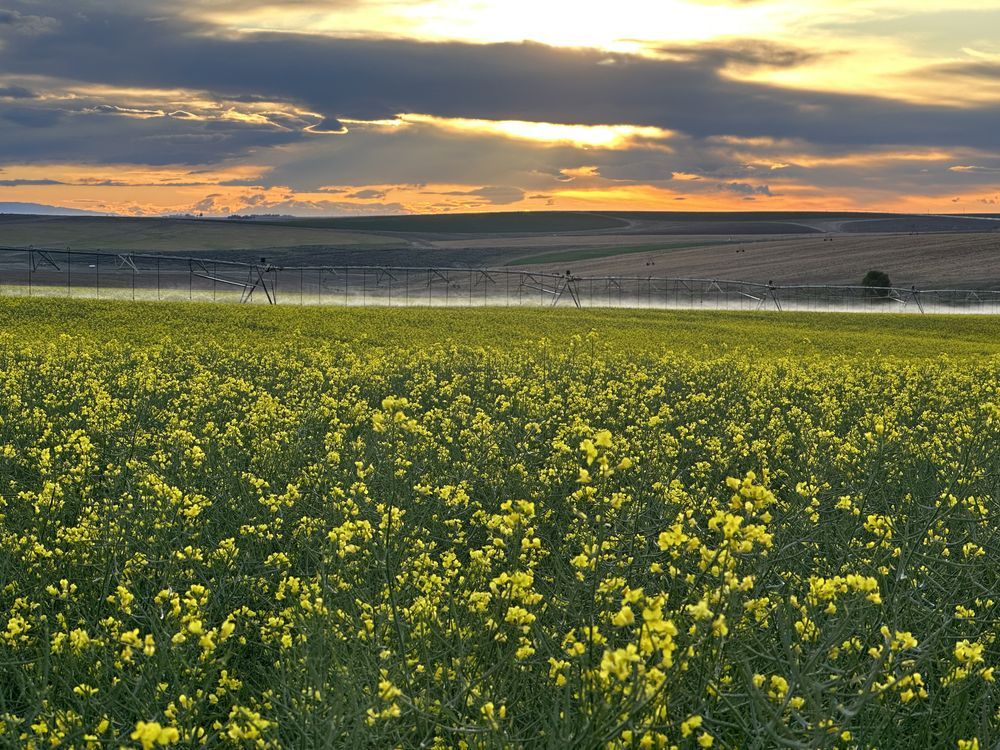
<point x="796" y="334"/>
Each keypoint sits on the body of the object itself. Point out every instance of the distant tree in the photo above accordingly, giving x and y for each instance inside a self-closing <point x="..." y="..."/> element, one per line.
<point x="877" y="283"/>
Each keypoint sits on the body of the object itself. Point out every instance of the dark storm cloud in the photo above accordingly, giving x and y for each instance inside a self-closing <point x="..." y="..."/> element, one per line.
<point x="86" y="135"/>
<point x="20" y="183"/>
<point x="26" y="23"/>
<point x="744" y="188"/>
<point x="16" y="92"/>
<point x="31" y="117"/>
<point x="370" y="79"/>
<point x="328" y="125"/>
<point x="640" y="167"/>
<point x="986" y="71"/>
<point x="367" y="195"/>
<point x="751" y="52"/>
<point x="496" y="195"/>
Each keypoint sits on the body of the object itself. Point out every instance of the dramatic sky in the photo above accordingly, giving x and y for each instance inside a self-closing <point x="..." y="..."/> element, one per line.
<point x="372" y="106"/>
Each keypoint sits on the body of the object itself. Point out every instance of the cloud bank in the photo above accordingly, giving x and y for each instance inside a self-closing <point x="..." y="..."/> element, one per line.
<point x="110" y="82"/>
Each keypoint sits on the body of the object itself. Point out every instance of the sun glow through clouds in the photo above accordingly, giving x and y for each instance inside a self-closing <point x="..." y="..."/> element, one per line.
<point x="626" y="26"/>
<point x="584" y="136"/>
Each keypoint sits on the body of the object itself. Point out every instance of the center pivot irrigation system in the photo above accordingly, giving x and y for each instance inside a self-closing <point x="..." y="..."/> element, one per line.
<point x="31" y="271"/>
<point x="256" y="278"/>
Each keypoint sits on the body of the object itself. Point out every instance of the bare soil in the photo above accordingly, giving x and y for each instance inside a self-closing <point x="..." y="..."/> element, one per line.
<point x="966" y="260"/>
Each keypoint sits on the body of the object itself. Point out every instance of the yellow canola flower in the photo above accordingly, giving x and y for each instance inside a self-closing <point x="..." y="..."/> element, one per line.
<point x="150" y="734"/>
<point x="618" y="662"/>
<point x="700" y="611"/>
<point x="690" y="724"/>
<point x="624" y="617"/>
<point x="968" y="653"/>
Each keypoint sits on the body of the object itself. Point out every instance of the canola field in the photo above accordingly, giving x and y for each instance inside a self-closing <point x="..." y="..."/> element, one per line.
<point x="223" y="527"/>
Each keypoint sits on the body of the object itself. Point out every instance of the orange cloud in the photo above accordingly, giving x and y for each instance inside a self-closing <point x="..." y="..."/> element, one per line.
<point x="136" y="190"/>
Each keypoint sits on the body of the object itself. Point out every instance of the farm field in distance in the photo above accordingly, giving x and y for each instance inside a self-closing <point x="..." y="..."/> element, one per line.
<point x="965" y="261"/>
<point x="787" y="247"/>
<point x="165" y="235"/>
<point x="282" y="527"/>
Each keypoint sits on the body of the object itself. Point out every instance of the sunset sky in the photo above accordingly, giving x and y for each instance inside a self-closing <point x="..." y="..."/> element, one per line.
<point x="339" y="107"/>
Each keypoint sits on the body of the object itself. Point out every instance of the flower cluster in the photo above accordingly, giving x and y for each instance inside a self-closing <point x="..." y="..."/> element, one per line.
<point x="220" y="545"/>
